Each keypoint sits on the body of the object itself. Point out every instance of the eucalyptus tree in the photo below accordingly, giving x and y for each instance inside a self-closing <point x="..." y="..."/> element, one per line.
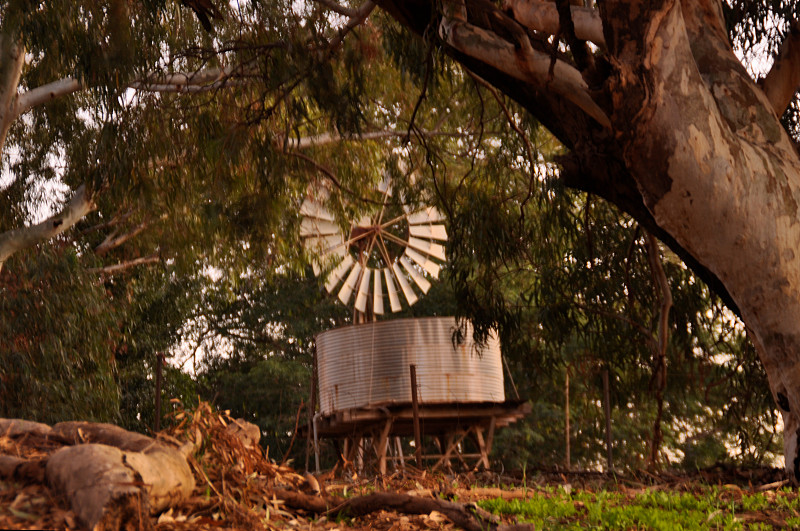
<point x="169" y="138"/>
<point x="661" y="118"/>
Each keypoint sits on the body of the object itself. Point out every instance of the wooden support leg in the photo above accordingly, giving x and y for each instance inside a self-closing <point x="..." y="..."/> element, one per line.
<point x="452" y="440"/>
<point x="381" y="444"/>
<point x="484" y="460"/>
<point x="490" y="435"/>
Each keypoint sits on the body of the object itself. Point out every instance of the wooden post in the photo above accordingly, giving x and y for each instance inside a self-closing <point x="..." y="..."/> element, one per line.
<point x="415" y="405"/>
<point x="159" y="365"/>
<point x="382" y="445"/>
<point x="607" y="408"/>
<point x="566" y="420"/>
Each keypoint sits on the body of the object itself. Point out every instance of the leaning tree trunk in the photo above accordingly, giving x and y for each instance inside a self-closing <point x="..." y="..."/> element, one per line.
<point x="717" y="171"/>
<point x="674" y="132"/>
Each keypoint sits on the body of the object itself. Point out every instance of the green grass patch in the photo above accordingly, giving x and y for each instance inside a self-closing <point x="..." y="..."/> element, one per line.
<point x="712" y="508"/>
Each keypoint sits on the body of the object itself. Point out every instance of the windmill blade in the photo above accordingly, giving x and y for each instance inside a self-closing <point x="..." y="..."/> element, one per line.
<point x="385" y="186"/>
<point x="324" y="245"/>
<point x="435" y="232"/>
<point x="426" y="215"/>
<point x="431" y="249"/>
<point x="411" y="297"/>
<point x="415" y="275"/>
<point x="365" y="221"/>
<point x="394" y="300"/>
<point x="312" y="209"/>
<point x="337" y="274"/>
<point x="424" y="262"/>
<point x="317" y="227"/>
<point x="349" y="284"/>
<point x="377" y="293"/>
<point x="363" y="291"/>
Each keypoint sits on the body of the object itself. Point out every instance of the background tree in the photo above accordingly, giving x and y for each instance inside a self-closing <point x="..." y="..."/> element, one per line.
<point x="224" y="134"/>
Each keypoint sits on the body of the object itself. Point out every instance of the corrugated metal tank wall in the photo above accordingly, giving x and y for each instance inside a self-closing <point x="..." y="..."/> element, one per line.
<point x="368" y="365"/>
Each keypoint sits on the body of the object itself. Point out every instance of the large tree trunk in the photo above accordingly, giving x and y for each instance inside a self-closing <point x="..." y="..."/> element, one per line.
<point x="694" y="151"/>
<point x="717" y="171"/>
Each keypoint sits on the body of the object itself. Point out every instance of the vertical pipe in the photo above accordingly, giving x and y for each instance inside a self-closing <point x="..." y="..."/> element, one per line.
<point x="607" y="407"/>
<point x="316" y="441"/>
<point x="415" y="405"/>
<point x="399" y="446"/>
<point x="159" y="365"/>
<point x="566" y="420"/>
<point x="312" y="403"/>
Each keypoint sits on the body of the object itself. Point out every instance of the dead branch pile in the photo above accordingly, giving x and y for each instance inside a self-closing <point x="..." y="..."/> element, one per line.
<point x="240" y="487"/>
<point x="98" y="476"/>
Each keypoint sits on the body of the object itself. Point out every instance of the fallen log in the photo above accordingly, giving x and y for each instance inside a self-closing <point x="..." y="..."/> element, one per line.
<point x="162" y="470"/>
<point x="113" y="478"/>
<point x="102" y="489"/>
<point x="18" y="468"/>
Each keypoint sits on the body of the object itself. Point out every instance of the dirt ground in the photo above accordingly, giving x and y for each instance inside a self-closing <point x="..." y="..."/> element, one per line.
<point x="238" y="487"/>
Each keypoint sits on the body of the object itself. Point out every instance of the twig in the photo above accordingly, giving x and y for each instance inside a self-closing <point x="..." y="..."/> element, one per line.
<point x="294" y="433"/>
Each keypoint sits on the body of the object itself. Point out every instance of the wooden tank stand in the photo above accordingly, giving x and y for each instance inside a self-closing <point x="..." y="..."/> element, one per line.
<point x="366" y="432"/>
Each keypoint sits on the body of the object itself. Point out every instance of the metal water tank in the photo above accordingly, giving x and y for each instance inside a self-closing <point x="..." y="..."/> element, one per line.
<point x="367" y="365"/>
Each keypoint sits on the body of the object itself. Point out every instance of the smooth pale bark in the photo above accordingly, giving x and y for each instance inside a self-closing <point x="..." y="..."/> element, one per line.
<point x="12" y="58"/>
<point x="694" y="151"/>
<point x="17" y="239"/>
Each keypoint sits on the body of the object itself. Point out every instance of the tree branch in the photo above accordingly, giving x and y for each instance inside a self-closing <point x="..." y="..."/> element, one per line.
<point x="17" y="239"/>
<point x="113" y="241"/>
<point x="324" y="139"/>
<point x="523" y="63"/>
<point x="465" y="515"/>
<point x="337" y="8"/>
<point x="358" y="17"/>
<point x="783" y="79"/>
<point x="124" y="266"/>
<point x="200" y="81"/>
<point x="39" y="95"/>
<point x="543" y="16"/>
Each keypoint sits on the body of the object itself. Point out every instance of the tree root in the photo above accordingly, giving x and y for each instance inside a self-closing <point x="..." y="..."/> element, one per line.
<point x="468" y="516"/>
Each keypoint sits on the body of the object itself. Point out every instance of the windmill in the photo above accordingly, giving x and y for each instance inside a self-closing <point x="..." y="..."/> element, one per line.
<point x="379" y="380"/>
<point x="382" y="259"/>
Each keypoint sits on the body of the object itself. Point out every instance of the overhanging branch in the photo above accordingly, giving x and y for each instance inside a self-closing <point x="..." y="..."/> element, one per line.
<point x="523" y="63"/>
<point x="17" y="239"/>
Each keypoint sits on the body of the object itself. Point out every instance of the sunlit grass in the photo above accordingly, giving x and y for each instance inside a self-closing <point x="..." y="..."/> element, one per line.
<point x="709" y="507"/>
